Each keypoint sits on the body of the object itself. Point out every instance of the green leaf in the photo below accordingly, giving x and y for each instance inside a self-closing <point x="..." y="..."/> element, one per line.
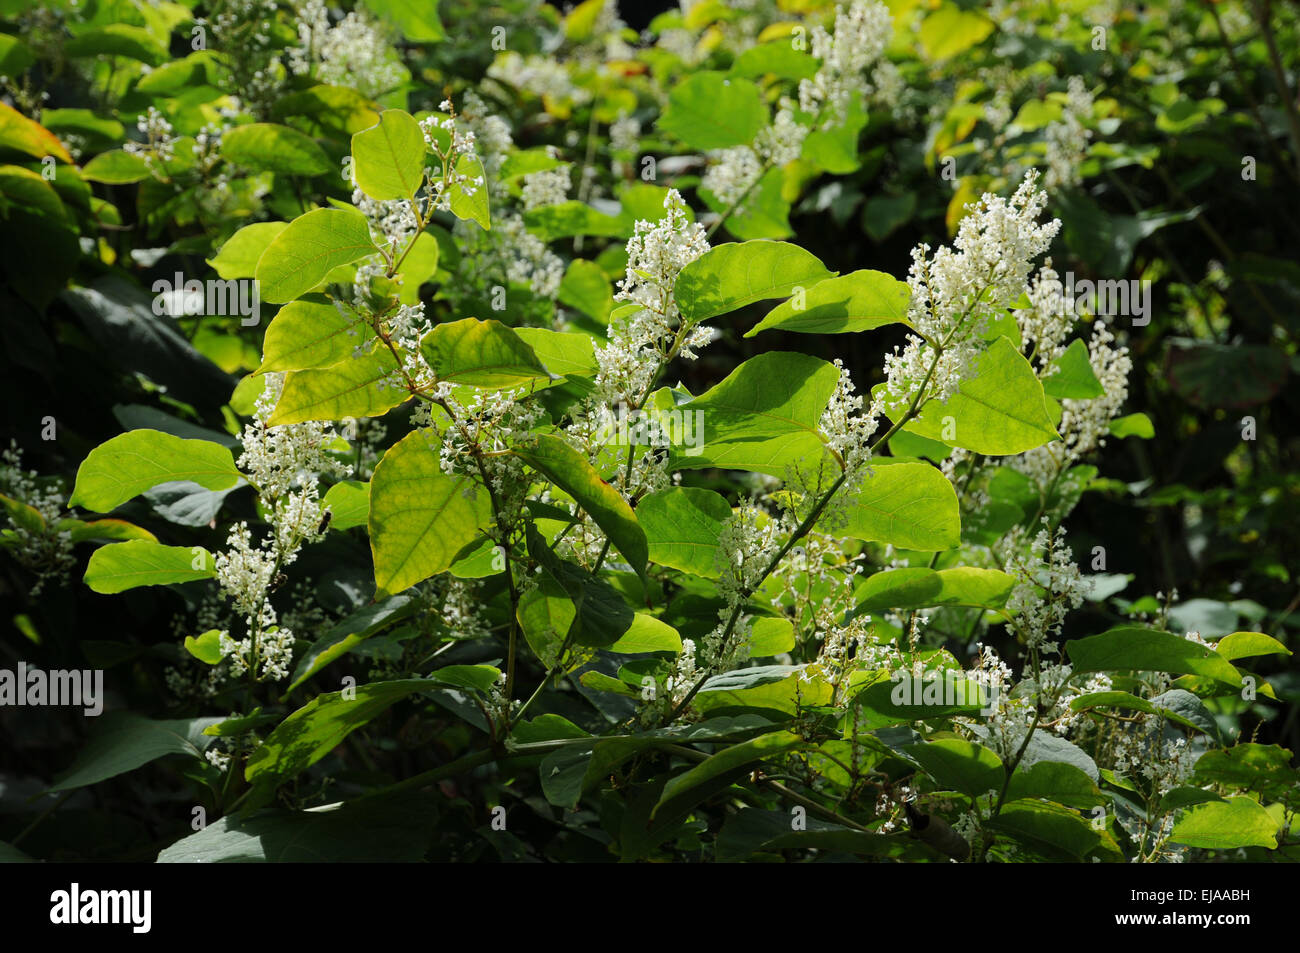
<point x="138" y="460"/>
<point x="586" y="288"/>
<point x="481" y="354"/>
<point x="359" y="387"/>
<point x="764" y="417"/>
<point x="566" y="353"/>
<point x="569" y="470"/>
<point x="1224" y="825"/>
<point x="320" y="726"/>
<point x="951" y="30"/>
<point x="206" y="648"/>
<point x="417" y="19"/>
<point x="959" y="765"/>
<point x="764" y="688"/>
<point x="387" y="828"/>
<point x="921" y="588"/>
<point x="733" y="275"/>
<point x="598" y="615"/>
<point x="1134" y="648"/>
<point x="1074" y="377"/>
<point x="268" y="147"/>
<point x="348" y="503"/>
<point x="858" y="301"/>
<point x="238" y="257"/>
<point x="682" y="525"/>
<point x="27" y="135"/>
<point x="908" y="505"/>
<point x="725" y="761"/>
<point x="709" y="110"/>
<point x="115" y="167"/>
<point x="117" y="39"/>
<point x="1245" y="766"/>
<point x="1248" y="645"/>
<point x="141" y="562"/>
<point x="1056" y="831"/>
<point x="1133" y="425"/>
<point x="1000" y="411"/>
<point x="123" y="741"/>
<point x="779" y="59"/>
<point x="311" y="332"/>
<point x="647" y="634"/>
<point x="882" y="215"/>
<point x="313" y="245"/>
<point x="566" y="219"/>
<point x="420" y="517"/>
<point x="470" y="205"/>
<point x="1056" y="781"/>
<point x="348" y="634"/>
<point x="388" y="158"/>
<point x="771" y="635"/>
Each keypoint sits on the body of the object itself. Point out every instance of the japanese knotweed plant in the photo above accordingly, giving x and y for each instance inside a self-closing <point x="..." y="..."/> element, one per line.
<point x="700" y="613"/>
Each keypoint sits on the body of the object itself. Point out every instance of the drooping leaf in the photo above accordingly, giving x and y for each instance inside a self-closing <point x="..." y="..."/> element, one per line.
<point x="311" y="332"/>
<point x="481" y="354"/>
<point x="858" y="301"/>
<point x="299" y="258"/>
<point x="420" y="517"/>
<point x="764" y="416"/>
<point x="569" y="470"/>
<point x="1135" y="648"/>
<point x="733" y="275"/>
<point x="1225" y="825"/>
<point x="388" y="159"/>
<point x="360" y="387"/>
<point x="908" y="505"/>
<point x="124" y="741"/>
<point x="270" y="147"/>
<point x="682" y="526"/>
<point x="1000" y="410"/>
<point x="710" y="110"/>
<point x="141" y="562"/>
<point x="130" y="463"/>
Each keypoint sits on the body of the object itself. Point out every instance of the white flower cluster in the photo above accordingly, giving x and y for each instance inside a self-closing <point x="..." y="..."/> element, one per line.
<point x="352" y="52"/>
<point x="847" y="429"/>
<point x="543" y="76"/>
<point x="471" y="439"/>
<point x="1048" y="320"/>
<point x="625" y="135"/>
<point x="685" y="674"/>
<point x="159" y="145"/>
<point x="642" y="342"/>
<point x="393" y="222"/>
<point x="243" y="31"/>
<point x="747" y="543"/>
<point x="283" y="463"/>
<point x="1145" y="751"/>
<point x="1067" y="138"/>
<point x="1048" y="585"/>
<point x="954" y="293"/>
<point x="732" y="174"/>
<point x="547" y="187"/>
<point x="528" y="260"/>
<point x="1085" y="423"/>
<point x="862" y="31"/>
<point x="37" y="544"/>
<point x="461" y="144"/>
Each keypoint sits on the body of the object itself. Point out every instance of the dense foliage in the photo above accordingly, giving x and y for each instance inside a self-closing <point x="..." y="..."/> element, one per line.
<point x="790" y="431"/>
